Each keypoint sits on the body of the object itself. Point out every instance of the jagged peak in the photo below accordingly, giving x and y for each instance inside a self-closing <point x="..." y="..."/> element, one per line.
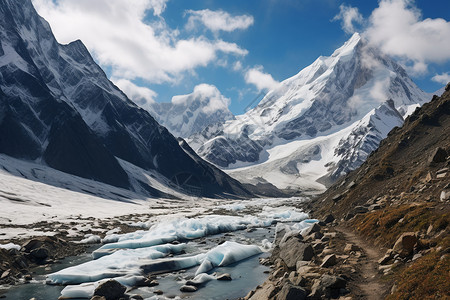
<point x="349" y="46"/>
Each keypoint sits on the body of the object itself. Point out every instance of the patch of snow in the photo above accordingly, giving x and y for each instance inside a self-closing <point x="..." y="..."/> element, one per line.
<point x="10" y="246"/>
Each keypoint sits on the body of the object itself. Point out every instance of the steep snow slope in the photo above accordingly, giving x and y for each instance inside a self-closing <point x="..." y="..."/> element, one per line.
<point x="314" y="114"/>
<point x="309" y="164"/>
<point x="58" y="107"/>
<point x="188" y="114"/>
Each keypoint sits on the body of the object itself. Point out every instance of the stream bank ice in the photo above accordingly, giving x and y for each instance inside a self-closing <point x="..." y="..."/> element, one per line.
<point x="128" y="257"/>
<point x="188" y="229"/>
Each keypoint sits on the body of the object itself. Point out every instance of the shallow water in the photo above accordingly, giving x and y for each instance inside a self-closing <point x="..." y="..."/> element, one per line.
<point x="246" y="274"/>
<point x="37" y="287"/>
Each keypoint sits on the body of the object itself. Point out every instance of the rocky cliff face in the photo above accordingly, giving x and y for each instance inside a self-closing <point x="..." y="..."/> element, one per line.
<point x="58" y="107"/>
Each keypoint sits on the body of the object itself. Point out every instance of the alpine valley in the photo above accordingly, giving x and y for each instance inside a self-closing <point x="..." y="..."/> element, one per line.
<point x="336" y="185"/>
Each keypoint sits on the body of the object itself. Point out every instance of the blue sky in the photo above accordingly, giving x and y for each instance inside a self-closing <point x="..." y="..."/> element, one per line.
<point x="162" y="48"/>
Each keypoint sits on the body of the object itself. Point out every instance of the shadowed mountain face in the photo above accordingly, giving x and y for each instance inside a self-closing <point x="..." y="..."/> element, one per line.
<point x="57" y="106"/>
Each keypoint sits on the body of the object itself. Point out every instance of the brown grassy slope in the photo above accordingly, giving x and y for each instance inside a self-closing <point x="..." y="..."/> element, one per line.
<point x="400" y="178"/>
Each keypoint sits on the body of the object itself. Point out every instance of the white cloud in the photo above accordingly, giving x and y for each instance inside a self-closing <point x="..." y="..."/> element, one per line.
<point x="237" y="66"/>
<point x="207" y="94"/>
<point x="262" y="81"/>
<point x="142" y="96"/>
<point x="348" y="16"/>
<point x="443" y="78"/>
<point x="397" y="28"/>
<point x="120" y="38"/>
<point x="218" y="20"/>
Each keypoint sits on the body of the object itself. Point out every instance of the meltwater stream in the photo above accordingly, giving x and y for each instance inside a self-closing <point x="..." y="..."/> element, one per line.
<point x="175" y="251"/>
<point x="245" y="274"/>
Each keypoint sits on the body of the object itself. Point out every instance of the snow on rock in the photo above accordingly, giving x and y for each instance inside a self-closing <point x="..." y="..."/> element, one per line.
<point x="10" y="246"/>
<point x="91" y="239"/>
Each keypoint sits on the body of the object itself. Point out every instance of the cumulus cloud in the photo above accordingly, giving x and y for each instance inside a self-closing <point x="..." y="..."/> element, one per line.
<point x="397" y="28"/>
<point x="208" y="95"/>
<point x="443" y="78"/>
<point x="262" y="81"/>
<point x="120" y="38"/>
<point x="140" y="95"/>
<point x="348" y="16"/>
<point x="218" y="20"/>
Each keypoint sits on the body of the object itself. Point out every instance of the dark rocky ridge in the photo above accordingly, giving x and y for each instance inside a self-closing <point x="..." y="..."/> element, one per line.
<point x="57" y="105"/>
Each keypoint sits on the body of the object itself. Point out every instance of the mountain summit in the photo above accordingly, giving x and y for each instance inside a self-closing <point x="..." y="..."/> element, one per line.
<point x="296" y="135"/>
<point x="57" y="107"/>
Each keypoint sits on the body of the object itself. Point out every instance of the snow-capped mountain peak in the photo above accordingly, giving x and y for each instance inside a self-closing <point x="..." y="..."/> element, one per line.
<point x="188" y="114"/>
<point x="326" y="97"/>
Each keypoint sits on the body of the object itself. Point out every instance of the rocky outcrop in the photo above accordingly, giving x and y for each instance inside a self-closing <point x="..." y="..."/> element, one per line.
<point x="110" y="290"/>
<point x="306" y="269"/>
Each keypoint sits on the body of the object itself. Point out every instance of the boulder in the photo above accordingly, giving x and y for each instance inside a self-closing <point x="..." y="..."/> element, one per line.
<point x="39" y="253"/>
<point x="405" y="244"/>
<point x="31" y="244"/>
<point x="98" y="298"/>
<point x="329" y="218"/>
<point x="439" y="155"/>
<point x="328" y="286"/>
<point x="350" y="248"/>
<point x="337" y="197"/>
<point x="224" y="277"/>
<point x="314" y="236"/>
<point x="295" y="250"/>
<point x="329" y="261"/>
<point x="153" y="283"/>
<point x="311" y="229"/>
<point x="291" y="234"/>
<point x="188" y="288"/>
<point x="291" y="292"/>
<point x="111" y="290"/>
<point x="5" y="274"/>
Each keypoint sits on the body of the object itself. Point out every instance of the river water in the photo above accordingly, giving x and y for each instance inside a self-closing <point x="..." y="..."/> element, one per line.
<point x="245" y="274"/>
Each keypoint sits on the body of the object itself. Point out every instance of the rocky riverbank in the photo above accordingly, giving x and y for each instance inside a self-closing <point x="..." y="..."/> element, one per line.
<point x="317" y="263"/>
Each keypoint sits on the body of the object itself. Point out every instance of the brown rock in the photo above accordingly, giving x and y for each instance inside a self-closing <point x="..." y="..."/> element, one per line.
<point x="110" y="289"/>
<point x="314" y="228"/>
<point x="405" y="244"/>
<point x="295" y="250"/>
<point x="291" y="292"/>
<point x="439" y="155"/>
<point x="329" y="261"/>
<point x="350" y="248"/>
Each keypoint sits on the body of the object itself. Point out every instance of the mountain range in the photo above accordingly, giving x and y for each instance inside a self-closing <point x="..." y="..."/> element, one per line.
<point x="58" y="108"/>
<point x="317" y="125"/>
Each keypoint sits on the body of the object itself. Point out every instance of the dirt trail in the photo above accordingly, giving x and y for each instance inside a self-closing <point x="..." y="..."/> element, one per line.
<point x="369" y="283"/>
